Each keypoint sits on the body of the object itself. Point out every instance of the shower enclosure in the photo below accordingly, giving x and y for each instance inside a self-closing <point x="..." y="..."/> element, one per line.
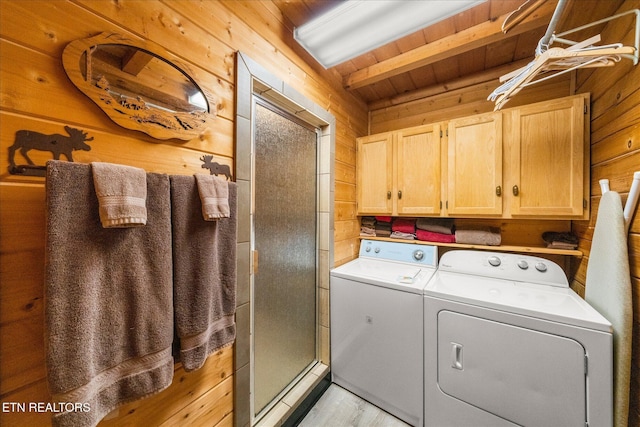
<point x="284" y="167"/>
<point x="285" y="246"/>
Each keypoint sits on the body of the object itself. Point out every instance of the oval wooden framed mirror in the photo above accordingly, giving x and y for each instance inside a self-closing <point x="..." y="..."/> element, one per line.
<point x="135" y="84"/>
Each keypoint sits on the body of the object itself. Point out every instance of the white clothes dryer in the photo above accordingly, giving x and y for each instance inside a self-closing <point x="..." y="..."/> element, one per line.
<point x="377" y="325"/>
<point x="508" y="343"/>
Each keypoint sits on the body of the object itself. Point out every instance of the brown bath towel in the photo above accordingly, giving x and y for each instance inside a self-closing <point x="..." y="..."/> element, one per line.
<point x="122" y="194"/>
<point x="368" y="221"/>
<point x="489" y="236"/>
<point x="204" y="257"/>
<point x="108" y="298"/>
<point x="436" y="225"/>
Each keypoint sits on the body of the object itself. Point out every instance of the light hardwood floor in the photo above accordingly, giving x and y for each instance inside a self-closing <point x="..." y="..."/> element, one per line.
<point x="339" y="408"/>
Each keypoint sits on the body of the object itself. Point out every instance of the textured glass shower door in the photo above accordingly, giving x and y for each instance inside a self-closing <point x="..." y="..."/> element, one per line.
<point x="284" y="236"/>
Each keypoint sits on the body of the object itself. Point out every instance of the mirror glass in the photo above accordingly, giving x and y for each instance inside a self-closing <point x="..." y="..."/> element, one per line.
<point x="130" y="73"/>
<point x="137" y="87"/>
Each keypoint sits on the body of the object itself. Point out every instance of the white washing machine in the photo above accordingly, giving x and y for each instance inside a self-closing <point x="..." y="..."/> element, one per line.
<point x="507" y="343"/>
<point x="377" y="325"/>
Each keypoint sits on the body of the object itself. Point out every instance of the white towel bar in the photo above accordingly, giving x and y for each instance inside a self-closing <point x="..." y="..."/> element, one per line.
<point x="632" y="200"/>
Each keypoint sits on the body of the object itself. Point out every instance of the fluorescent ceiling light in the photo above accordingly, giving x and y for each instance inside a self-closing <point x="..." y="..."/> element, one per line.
<point x="359" y="26"/>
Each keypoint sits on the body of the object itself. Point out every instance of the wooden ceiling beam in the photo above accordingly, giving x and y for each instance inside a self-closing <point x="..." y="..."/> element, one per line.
<point x="472" y="38"/>
<point x="489" y="75"/>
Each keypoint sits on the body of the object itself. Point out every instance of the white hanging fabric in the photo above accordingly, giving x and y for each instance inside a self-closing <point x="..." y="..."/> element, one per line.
<point x="551" y="62"/>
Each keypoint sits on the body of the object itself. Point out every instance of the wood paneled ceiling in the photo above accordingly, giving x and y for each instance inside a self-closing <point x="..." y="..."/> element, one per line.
<point x="462" y="50"/>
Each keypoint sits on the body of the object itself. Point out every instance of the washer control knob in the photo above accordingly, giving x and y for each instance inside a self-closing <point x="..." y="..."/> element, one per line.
<point x="367" y="249"/>
<point x="376" y="250"/>
<point x="494" y="261"/>
<point x="523" y="264"/>
<point x="418" y="255"/>
<point x="541" y="267"/>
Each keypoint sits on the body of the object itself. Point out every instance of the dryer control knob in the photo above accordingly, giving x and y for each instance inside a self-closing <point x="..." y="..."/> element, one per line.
<point x="367" y="249"/>
<point x="494" y="261"/>
<point x="523" y="264"/>
<point x="376" y="250"/>
<point x="418" y="255"/>
<point x="541" y="267"/>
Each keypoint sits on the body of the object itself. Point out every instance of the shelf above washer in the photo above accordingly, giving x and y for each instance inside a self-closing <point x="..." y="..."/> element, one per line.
<point x="501" y="248"/>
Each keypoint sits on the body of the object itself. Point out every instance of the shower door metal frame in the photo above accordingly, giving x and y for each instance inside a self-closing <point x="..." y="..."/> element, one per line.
<point x="258" y="100"/>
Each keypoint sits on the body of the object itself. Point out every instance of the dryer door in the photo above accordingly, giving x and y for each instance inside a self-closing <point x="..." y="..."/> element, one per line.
<point x="525" y="376"/>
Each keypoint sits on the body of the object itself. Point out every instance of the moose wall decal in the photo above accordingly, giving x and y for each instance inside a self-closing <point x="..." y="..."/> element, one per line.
<point x="215" y="168"/>
<point x="57" y="144"/>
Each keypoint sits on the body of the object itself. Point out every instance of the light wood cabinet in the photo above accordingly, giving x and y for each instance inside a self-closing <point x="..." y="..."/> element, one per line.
<point x="525" y="162"/>
<point x="374" y="185"/>
<point x="549" y="157"/>
<point x="474" y="176"/>
<point x="399" y="172"/>
<point x="418" y="159"/>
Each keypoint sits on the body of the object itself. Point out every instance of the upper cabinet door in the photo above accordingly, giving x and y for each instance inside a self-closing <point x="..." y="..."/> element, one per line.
<point x="548" y="149"/>
<point x="374" y="171"/>
<point x="418" y="170"/>
<point x="475" y="165"/>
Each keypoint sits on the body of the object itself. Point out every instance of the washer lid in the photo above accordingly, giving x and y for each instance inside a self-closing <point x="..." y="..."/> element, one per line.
<point x="530" y="299"/>
<point x="395" y="275"/>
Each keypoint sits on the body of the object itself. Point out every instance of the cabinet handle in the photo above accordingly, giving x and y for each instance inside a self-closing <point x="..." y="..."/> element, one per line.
<point x="388" y="195"/>
<point x="516" y="190"/>
<point x="499" y="190"/>
<point x="399" y="194"/>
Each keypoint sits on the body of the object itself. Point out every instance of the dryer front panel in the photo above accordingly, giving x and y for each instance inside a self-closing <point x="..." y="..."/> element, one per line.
<point x="527" y="377"/>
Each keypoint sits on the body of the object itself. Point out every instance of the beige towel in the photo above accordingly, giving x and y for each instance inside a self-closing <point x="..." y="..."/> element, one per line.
<point x="608" y="290"/>
<point x="204" y="271"/>
<point x="122" y="194"/>
<point x="402" y="235"/>
<point x="214" y="194"/>
<point x="108" y="298"/>
<point x="489" y="236"/>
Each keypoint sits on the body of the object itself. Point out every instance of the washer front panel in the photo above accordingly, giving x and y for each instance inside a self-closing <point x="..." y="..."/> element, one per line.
<point x="376" y="346"/>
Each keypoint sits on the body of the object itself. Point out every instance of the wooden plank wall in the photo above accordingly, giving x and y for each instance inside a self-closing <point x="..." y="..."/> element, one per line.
<point x="615" y="145"/>
<point x="615" y="155"/>
<point x="37" y="95"/>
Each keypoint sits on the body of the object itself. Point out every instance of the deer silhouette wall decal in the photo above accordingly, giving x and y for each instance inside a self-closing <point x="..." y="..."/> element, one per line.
<point x="57" y="144"/>
<point x="215" y="168"/>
